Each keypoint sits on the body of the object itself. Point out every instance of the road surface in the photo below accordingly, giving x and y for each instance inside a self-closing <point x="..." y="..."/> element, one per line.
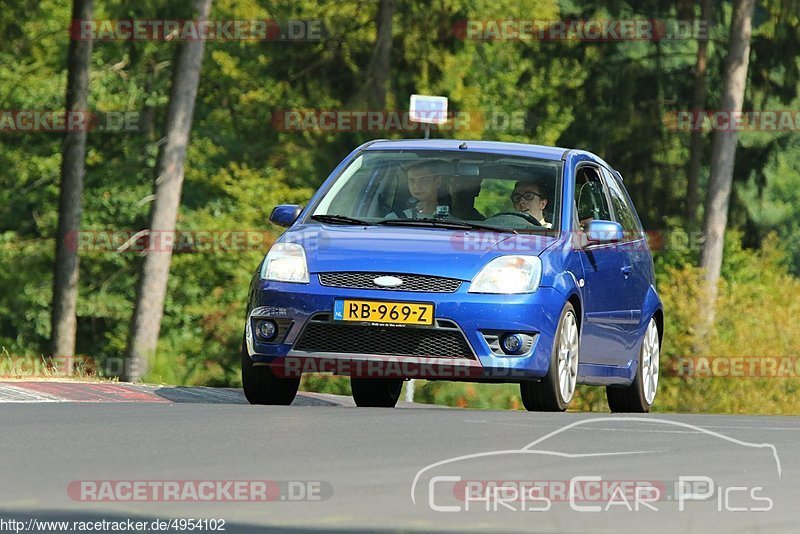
<point x="331" y="466"/>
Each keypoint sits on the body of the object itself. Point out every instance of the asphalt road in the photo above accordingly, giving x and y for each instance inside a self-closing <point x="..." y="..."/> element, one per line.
<point x="355" y="468"/>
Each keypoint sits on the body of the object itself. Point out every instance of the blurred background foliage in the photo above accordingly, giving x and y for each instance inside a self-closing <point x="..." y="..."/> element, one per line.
<point x="608" y="97"/>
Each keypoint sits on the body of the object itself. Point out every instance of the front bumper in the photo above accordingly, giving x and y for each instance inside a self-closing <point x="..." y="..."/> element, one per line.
<point x="476" y="317"/>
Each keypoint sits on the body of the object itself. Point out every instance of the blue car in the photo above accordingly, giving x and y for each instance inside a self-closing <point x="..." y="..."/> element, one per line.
<point x="459" y="260"/>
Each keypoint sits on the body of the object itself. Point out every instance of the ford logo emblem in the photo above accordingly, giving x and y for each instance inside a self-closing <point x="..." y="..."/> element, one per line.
<point x="387" y="281"/>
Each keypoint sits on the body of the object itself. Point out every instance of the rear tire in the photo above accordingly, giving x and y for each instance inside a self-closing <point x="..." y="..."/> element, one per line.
<point x="554" y="392"/>
<point x="261" y="386"/>
<point x="640" y="395"/>
<point x="376" y="392"/>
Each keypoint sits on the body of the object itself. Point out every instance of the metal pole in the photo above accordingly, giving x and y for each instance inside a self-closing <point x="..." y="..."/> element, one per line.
<point x="410" y="391"/>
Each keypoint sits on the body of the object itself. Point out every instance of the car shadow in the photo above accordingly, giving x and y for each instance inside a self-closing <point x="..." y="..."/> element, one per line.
<point x="207" y="395"/>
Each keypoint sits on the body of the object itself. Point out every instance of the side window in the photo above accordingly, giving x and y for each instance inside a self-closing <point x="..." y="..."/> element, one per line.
<point x="590" y="196"/>
<point x="623" y="211"/>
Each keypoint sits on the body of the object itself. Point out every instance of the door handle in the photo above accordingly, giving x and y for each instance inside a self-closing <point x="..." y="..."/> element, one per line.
<point x="627" y="270"/>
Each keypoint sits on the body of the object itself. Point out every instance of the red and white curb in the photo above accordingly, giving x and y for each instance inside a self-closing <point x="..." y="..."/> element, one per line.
<point x="52" y="391"/>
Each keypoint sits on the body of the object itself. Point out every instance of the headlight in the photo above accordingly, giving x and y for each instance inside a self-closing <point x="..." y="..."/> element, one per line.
<point x="509" y="274"/>
<point x="285" y="262"/>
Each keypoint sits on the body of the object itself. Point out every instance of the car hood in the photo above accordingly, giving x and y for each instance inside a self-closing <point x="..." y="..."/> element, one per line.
<point x="396" y="249"/>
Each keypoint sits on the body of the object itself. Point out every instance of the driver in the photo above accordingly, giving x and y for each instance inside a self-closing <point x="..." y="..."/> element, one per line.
<point x="529" y="197"/>
<point x="424" y="180"/>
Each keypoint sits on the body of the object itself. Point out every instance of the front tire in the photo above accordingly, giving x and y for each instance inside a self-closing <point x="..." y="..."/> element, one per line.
<point x="376" y="392"/>
<point x="640" y="395"/>
<point x="555" y="391"/>
<point x="261" y="386"/>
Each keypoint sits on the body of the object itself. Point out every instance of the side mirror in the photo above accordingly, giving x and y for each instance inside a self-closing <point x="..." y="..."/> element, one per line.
<point x="599" y="232"/>
<point x="285" y="214"/>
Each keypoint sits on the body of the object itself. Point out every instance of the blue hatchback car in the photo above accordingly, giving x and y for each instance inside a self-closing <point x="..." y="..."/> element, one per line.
<point x="459" y="260"/>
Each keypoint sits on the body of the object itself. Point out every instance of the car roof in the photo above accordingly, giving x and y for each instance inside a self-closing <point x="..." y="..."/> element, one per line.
<point x="517" y="149"/>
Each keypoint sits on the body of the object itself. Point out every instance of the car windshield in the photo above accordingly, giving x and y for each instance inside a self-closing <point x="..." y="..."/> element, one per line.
<point x="445" y="189"/>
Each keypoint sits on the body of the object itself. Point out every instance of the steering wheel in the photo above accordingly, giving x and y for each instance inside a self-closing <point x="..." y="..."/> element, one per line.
<point x="530" y="218"/>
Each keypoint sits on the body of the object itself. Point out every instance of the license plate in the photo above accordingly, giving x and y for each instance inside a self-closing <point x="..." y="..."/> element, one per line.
<point x="383" y="312"/>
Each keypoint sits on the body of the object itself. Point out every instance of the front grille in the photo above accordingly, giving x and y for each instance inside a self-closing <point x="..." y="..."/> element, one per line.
<point x="356" y="339"/>
<point x="411" y="282"/>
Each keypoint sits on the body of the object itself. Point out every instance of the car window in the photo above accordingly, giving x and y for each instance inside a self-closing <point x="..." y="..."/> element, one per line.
<point x="387" y="185"/>
<point x="623" y="211"/>
<point x="590" y="196"/>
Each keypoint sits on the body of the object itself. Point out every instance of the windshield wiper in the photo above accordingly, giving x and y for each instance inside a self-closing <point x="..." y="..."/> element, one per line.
<point x="340" y="219"/>
<point x="441" y="223"/>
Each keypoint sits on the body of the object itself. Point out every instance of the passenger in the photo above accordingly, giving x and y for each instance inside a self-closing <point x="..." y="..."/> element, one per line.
<point x="529" y="197"/>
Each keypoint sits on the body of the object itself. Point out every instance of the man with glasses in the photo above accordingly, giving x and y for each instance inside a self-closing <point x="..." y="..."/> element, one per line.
<point x="529" y="197"/>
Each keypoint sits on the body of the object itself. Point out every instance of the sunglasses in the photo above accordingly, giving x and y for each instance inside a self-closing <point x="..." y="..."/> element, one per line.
<point x="527" y="195"/>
